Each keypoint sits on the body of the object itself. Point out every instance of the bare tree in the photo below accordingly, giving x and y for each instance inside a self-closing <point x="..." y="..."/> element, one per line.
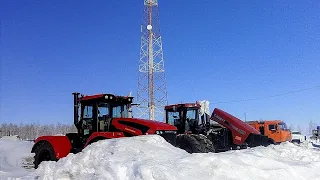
<point x="312" y="126"/>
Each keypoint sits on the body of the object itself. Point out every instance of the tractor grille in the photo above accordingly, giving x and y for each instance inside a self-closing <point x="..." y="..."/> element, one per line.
<point x="169" y="137"/>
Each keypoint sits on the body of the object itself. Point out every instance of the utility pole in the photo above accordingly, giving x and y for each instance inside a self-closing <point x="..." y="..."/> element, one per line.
<point x="245" y="117"/>
<point x="152" y="92"/>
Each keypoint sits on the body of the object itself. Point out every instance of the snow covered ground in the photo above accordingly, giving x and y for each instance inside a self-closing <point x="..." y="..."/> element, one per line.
<point x="15" y="157"/>
<point x="151" y="157"/>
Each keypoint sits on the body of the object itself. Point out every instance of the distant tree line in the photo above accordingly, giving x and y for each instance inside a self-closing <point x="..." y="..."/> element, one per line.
<point x="32" y="131"/>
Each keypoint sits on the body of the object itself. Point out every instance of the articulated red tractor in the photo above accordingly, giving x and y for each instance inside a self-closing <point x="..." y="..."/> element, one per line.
<point x="98" y="117"/>
<point x="199" y="133"/>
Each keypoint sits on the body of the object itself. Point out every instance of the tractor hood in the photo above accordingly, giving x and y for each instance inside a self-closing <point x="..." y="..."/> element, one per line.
<point x="136" y="127"/>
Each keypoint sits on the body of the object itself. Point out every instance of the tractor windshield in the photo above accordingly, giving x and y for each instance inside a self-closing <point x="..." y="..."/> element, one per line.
<point x="191" y="119"/>
<point x="103" y="110"/>
<point x="191" y="114"/>
<point x="120" y="110"/>
<point x="113" y="110"/>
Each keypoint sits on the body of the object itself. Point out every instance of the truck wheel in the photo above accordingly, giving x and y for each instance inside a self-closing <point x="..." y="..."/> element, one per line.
<point x="271" y="141"/>
<point x="296" y="141"/>
<point x="44" y="152"/>
<point x="193" y="143"/>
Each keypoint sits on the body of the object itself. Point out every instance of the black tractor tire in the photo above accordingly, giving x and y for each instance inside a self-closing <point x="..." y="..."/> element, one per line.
<point x="44" y="152"/>
<point x="194" y="143"/>
<point x="209" y="146"/>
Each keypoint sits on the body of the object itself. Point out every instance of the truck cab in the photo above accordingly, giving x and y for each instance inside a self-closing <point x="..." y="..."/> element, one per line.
<point x="297" y="137"/>
<point x="274" y="129"/>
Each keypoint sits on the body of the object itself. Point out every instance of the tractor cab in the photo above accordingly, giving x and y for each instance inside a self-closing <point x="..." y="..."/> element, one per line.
<point x="95" y="113"/>
<point x="185" y="117"/>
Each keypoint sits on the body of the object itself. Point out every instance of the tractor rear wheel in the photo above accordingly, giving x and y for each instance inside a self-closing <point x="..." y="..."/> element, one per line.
<point x="194" y="143"/>
<point x="44" y="152"/>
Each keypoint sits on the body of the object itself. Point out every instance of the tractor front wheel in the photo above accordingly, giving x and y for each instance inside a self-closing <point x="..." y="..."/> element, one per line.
<point x="194" y="143"/>
<point x="44" y="152"/>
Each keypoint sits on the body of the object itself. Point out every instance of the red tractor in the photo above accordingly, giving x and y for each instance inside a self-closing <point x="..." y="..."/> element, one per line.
<point x="98" y="117"/>
<point x="199" y="133"/>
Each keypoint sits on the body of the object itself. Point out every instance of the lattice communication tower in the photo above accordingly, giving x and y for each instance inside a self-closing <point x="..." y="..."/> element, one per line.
<point x="152" y="92"/>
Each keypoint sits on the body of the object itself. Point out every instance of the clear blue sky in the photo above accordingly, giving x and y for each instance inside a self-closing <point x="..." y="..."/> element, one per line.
<point x="214" y="50"/>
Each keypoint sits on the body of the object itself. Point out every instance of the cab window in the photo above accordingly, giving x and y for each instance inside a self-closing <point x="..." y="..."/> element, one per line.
<point x="191" y="114"/>
<point x="272" y="127"/>
<point x="283" y="126"/>
<point x="172" y="116"/>
<point x="103" y="110"/>
<point x="120" y="111"/>
<point x="87" y="112"/>
<point x="87" y="117"/>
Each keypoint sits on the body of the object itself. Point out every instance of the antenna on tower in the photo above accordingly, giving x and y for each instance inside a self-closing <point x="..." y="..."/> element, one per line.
<point x="152" y="92"/>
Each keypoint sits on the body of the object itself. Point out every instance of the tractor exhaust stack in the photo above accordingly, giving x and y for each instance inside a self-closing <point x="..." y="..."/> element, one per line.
<point x="75" y="107"/>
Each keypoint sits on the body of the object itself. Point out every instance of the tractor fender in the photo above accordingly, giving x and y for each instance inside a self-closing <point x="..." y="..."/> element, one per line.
<point x="103" y="135"/>
<point x="60" y="144"/>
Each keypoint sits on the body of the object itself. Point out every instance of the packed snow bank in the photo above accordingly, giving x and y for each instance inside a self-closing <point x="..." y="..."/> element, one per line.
<point x="151" y="157"/>
<point x="15" y="156"/>
<point x="11" y="138"/>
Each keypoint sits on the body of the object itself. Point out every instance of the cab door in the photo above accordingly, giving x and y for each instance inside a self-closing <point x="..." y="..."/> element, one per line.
<point x="274" y="132"/>
<point x="285" y="132"/>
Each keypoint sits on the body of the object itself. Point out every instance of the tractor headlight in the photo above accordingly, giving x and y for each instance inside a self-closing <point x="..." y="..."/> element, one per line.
<point x="106" y="97"/>
<point x="159" y="132"/>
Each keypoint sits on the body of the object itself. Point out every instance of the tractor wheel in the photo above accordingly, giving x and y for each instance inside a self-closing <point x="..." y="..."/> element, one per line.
<point x="193" y="143"/>
<point x="44" y="152"/>
<point x="207" y="143"/>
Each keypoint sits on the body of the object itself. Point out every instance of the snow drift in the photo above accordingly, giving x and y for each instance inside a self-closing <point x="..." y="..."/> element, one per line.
<point x="15" y="157"/>
<point x="151" y="157"/>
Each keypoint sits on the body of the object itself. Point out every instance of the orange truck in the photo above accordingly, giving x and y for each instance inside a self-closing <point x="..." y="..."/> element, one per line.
<point x="274" y="129"/>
